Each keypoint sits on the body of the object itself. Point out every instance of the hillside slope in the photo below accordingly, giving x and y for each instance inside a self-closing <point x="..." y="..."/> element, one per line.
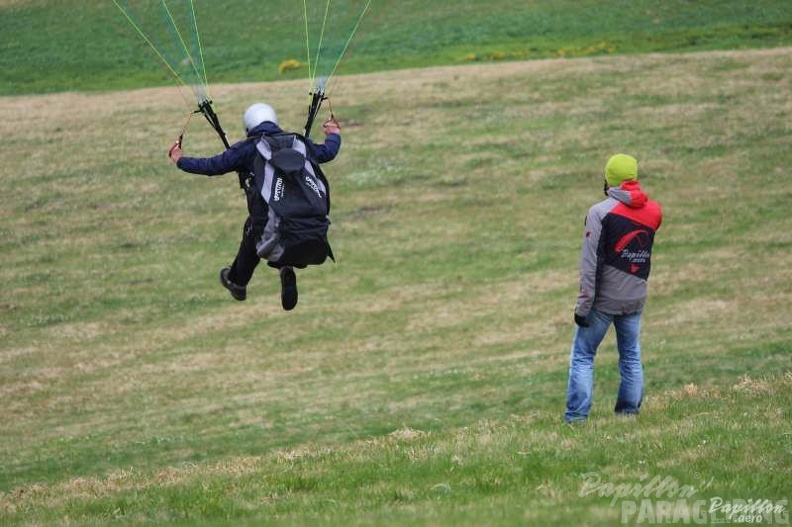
<point x="421" y="379"/>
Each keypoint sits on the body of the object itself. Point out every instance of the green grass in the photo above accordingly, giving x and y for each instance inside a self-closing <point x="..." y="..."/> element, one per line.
<point x="518" y="470"/>
<point x="52" y="46"/>
<point x="421" y="379"/>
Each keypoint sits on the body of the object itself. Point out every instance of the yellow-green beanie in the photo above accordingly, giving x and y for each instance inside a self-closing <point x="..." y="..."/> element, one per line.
<point x="619" y="168"/>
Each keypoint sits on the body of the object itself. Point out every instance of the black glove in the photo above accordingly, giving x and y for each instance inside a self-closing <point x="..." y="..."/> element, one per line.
<point x="581" y="321"/>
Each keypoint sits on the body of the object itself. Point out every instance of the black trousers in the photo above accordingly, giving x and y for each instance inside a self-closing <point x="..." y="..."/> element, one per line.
<point x="247" y="259"/>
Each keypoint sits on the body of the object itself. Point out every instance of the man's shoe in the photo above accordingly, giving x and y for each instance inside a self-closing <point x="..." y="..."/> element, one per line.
<point x="237" y="291"/>
<point x="288" y="288"/>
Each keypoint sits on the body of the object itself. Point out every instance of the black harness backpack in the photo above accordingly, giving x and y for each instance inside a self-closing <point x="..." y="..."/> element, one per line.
<point x="297" y="196"/>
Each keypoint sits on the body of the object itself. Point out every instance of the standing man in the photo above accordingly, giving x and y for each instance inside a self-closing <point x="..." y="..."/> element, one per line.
<point x="614" y="268"/>
<point x="259" y="120"/>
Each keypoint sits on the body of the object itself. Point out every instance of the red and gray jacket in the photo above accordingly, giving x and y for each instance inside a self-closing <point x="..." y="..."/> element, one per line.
<point x="617" y="251"/>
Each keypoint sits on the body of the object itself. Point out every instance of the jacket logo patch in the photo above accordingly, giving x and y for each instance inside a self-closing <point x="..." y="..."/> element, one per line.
<point x="634" y="248"/>
<point x="639" y="235"/>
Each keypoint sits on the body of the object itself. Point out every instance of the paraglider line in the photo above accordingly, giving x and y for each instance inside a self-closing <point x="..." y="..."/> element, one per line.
<point x="183" y="45"/>
<point x="153" y="48"/>
<point x="200" y="47"/>
<point x="349" y="40"/>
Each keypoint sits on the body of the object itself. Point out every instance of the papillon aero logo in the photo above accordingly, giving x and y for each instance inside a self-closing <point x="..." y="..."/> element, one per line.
<point x="641" y="236"/>
<point x="638" y="256"/>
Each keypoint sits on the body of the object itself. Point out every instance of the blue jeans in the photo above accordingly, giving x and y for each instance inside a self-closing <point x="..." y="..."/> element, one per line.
<point x="581" y="364"/>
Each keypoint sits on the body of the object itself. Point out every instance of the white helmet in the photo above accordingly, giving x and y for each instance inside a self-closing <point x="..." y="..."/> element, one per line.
<point x="257" y="114"/>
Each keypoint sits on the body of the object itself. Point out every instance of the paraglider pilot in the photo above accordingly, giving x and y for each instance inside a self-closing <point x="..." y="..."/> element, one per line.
<point x="259" y="119"/>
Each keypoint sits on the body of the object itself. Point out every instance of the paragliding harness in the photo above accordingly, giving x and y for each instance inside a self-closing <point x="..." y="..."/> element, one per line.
<point x="289" y="203"/>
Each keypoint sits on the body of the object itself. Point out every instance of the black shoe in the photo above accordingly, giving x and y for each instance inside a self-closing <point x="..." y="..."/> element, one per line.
<point x="288" y="288"/>
<point x="237" y="291"/>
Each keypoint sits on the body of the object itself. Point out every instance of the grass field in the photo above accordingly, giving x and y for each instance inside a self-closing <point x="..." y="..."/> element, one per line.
<point x="421" y="379"/>
<point x="87" y="44"/>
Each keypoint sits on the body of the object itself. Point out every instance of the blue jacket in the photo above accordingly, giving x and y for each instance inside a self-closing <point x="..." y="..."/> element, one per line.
<point x="240" y="156"/>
